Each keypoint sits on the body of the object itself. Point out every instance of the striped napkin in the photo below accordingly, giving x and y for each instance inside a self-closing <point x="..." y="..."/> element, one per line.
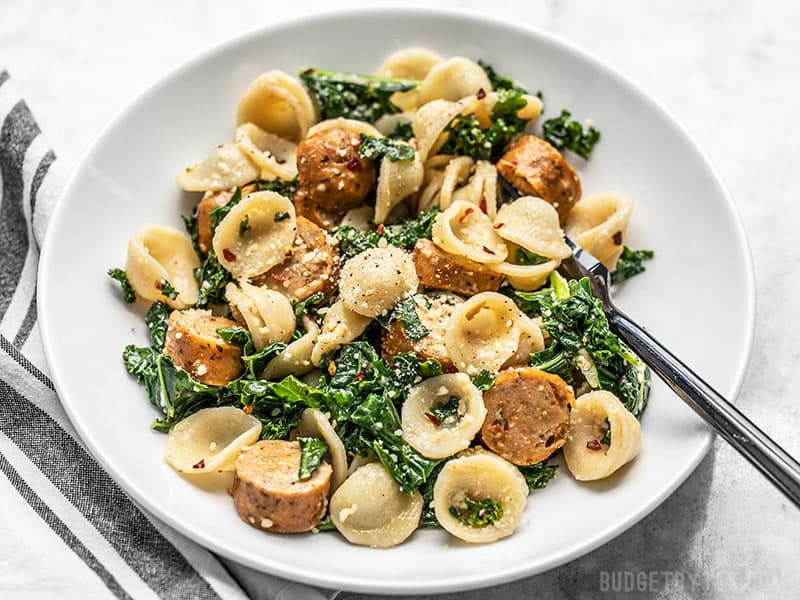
<point x="67" y="529"/>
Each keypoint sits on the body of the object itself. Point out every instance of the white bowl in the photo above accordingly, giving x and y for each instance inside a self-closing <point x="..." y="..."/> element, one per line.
<point x="697" y="296"/>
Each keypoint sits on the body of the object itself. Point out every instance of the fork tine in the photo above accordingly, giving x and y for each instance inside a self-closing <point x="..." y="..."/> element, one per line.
<point x="583" y="264"/>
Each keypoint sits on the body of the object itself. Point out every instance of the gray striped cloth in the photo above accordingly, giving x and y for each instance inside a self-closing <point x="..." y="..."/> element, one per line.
<point x="67" y="528"/>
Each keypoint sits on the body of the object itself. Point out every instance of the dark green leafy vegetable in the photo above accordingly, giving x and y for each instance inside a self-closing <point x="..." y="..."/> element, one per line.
<point x="127" y="291"/>
<point x="575" y="321"/>
<point x="526" y="257"/>
<point x="538" y="475"/>
<point x="281" y="216"/>
<point x="484" y="380"/>
<point x="404" y="234"/>
<point x="428" y="519"/>
<point x="244" y="225"/>
<point x="167" y="289"/>
<point x="631" y="262"/>
<point x="606" y="439"/>
<point x="374" y="148"/>
<point x="220" y="212"/>
<point x="190" y="224"/>
<point x="254" y="362"/>
<point x="301" y="309"/>
<point x="500" y="82"/>
<point x="406" y="312"/>
<point x="361" y="97"/>
<point x="478" y="513"/>
<point x="281" y="186"/>
<point x="563" y="132"/>
<point x="448" y="409"/>
<point x="213" y="278"/>
<point x="402" y="131"/>
<point x="156" y="320"/>
<point x="311" y="452"/>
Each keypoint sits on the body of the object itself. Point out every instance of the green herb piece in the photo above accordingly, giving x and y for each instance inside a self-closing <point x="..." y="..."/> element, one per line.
<point x="167" y="289"/>
<point x="631" y="262"/>
<point x="484" y="380"/>
<point x="127" y="290"/>
<point x="562" y="132"/>
<point x="428" y="519"/>
<point x="538" y="475"/>
<point x="254" y="362"/>
<point x="446" y="410"/>
<point x="526" y="257"/>
<point x="244" y="225"/>
<point x="220" y="212"/>
<point x="361" y="97"/>
<point x="500" y="82"/>
<point x="404" y="234"/>
<point x="300" y="309"/>
<point x="213" y="278"/>
<point x="281" y="216"/>
<point x="190" y="224"/>
<point x="374" y="148"/>
<point x="606" y="439"/>
<point x="406" y="312"/>
<point x="478" y="513"/>
<point x="311" y="452"/>
<point x="157" y="319"/>
<point x="402" y="131"/>
<point x="281" y="186"/>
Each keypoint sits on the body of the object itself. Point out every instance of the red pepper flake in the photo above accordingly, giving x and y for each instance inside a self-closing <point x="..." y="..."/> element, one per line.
<point x="248" y="409"/>
<point x="201" y="464"/>
<point x="481" y="94"/>
<point x="488" y="250"/>
<point x="229" y="256"/>
<point x="354" y="164"/>
<point x="280" y="276"/>
<point x="361" y="376"/>
<point x="617" y="238"/>
<point x="280" y="161"/>
<point x="331" y="368"/>
<point x="308" y="71"/>
<point x="433" y="419"/>
<point x="594" y="445"/>
<point x="496" y="428"/>
<point x="484" y="206"/>
<point x="379" y="231"/>
<point x="463" y="218"/>
<point x="498" y="225"/>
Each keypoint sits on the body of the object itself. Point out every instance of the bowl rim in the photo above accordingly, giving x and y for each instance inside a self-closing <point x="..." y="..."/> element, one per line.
<point x="309" y="576"/>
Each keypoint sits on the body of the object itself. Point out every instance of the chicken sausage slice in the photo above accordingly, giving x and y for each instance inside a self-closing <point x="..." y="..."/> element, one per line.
<point x="441" y="270"/>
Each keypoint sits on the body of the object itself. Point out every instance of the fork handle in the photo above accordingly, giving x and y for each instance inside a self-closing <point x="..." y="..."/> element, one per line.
<point x="724" y="418"/>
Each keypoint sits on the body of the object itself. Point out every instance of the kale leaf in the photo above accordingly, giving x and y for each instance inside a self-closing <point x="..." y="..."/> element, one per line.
<point x="220" y="212"/>
<point x="190" y="224"/>
<point x="404" y="234"/>
<point x="538" y="475"/>
<point x="301" y="309"/>
<point x="478" y="513"/>
<point x="127" y="290"/>
<point x="167" y="289"/>
<point x="213" y="278"/>
<point x="484" y="380"/>
<point x="254" y="362"/>
<point x="373" y="148"/>
<point x="445" y="410"/>
<point x="631" y="262"/>
<point x="500" y="82"/>
<point x="526" y="257"/>
<point x="406" y="312"/>
<point x="353" y="96"/>
<point x="156" y="320"/>
<point x="563" y="132"/>
<point x="281" y="186"/>
<point x="402" y="131"/>
<point x="311" y="452"/>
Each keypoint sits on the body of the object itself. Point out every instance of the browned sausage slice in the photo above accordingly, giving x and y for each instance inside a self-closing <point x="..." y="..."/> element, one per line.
<point x="535" y="168"/>
<point x="441" y="270"/>
<point x="195" y="346"/>
<point x="304" y="207"/>
<point x="330" y="171"/>
<point x="527" y="418"/>
<point x="209" y="202"/>
<point x="312" y="265"/>
<point x="268" y="494"/>
<point x="434" y="311"/>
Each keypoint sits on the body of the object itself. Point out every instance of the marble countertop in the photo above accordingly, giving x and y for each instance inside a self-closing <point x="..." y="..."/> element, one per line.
<point x="729" y="71"/>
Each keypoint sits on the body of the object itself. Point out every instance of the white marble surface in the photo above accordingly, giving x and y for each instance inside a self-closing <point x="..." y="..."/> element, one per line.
<point x="730" y="71"/>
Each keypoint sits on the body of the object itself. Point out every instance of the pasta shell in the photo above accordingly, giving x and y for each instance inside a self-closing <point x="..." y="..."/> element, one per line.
<point x="275" y="156"/>
<point x="531" y="340"/>
<point x="431" y="120"/>
<point x="484" y="332"/>
<point x="276" y="102"/>
<point x="409" y="63"/>
<point x="397" y="181"/>
<point x="210" y="440"/>
<point x="532" y="224"/>
<point x="525" y="277"/>
<point x="256" y="234"/>
<point x="481" y="189"/>
<point x="268" y="314"/>
<point x="445" y="438"/>
<point x="479" y="476"/>
<point x="455" y="174"/>
<point x="587" y="426"/>
<point x="226" y="167"/>
<point x="296" y="359"/>
<point x="360" y="217"/>
<point x="465" y="231"/>
<point x="313" y="423"/>
<point x="160" y="254"/>
<point x="370" y="509"/>
<point x="351" y="125"/>
<point x="339" y="327"/>
<point x="598" y="224"/>
<point x="452" y="80"/>
<point x="372" y="282"/>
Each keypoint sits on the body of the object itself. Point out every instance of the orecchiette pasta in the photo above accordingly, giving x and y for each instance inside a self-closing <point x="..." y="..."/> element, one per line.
<point x="476" y="477"/>
<point x="256" y="234"/>
<point x="268" y="314"/>
<point x="464" y="230"/>
<point x="313" y="423"/>
<point x="452" y="80"/>
<point x="481" y="189"/>
<point x="397" y="181"/>
<point x="352" y="125"/>
<point x="226" y="167"/>
<point x="210" y="440"/>
<point x="296" y="359"/>
<point x="438" y="438"/>
<point x="532" y="224"/>
<point x="277" y="103"/>
<point x="361" y="218"/>
<point x="158" y="256"/>
<point x="598" y="225"/>
<point x="409" y="63"/>
<point x="484" y="332"/>
<point x="339" y="326"/>
<point x="370" y="509"/>
<point x="275" y="156"/>
<point x="373" y="281"/>
<point x="530" y="340"/>
<point x="589" y="459"/>
<point x="431" y="120"/>
<point x="456" y="173"/>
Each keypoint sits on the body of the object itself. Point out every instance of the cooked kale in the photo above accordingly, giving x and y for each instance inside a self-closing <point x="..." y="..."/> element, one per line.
<point x="156" y="320"/>
<point x="311" y="452"/>
<point x="190" y="224"/>
<point x="244" y="224"/>
<point x="484" y="380"/>
<point x="405" y="234"/>
<point x="500" y="82"/>
<point x="563" y="132"/>
<point x="281" y="186"/>
<point x="578" y="328"/>
<point x="254" y="362"/>
<point x="302" y="308"/>
<point x="280" y="216"/>
<point x="478" y="513"/>
<point x="526" y="257"/>
<point x="127" y="290"/>
<point x="406" y="312"/>
<point x="631" y="262"/>
<point x="445" y="410"/>
<point x="220" y="212"/>
<point x="606" y="439"/>
<point x="167" y="289"/>
<point x="213" y="278"/>
<point x="428" y="519"/>
<point x="353" y="96"/>
<point x="402" y="131"/>
<point x="538" y="475"/>
<point x="374" y="148"/>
